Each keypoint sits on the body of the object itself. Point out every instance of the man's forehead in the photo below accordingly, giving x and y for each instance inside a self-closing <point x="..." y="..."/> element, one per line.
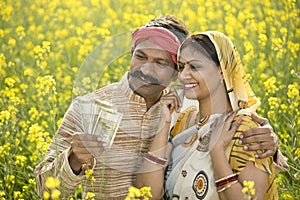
<point x="147" y="44"/>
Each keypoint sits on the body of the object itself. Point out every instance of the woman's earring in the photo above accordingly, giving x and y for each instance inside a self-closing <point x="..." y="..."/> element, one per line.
<point x="221" y="78"/>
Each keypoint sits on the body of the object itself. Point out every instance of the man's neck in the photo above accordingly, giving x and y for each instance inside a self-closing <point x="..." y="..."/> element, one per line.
<point x="150" y="101"/>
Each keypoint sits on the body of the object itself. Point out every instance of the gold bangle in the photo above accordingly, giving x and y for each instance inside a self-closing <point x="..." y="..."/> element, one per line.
<point x="224" y="178"/>
<point x="87" y="164"/>
<point x="227" y="186"/>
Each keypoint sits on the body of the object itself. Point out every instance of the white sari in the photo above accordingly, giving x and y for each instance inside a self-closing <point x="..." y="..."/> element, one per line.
<point x="191" y="174"/>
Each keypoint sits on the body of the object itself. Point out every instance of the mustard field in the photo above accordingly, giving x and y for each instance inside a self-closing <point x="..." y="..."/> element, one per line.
<point x="54" y="50"/>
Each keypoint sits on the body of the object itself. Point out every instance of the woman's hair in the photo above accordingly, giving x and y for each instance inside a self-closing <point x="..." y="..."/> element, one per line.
<point x="172" y="23"/>
<point x="203" y="44"/>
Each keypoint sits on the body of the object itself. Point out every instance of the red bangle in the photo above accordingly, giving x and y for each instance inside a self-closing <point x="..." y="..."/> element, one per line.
<point x="226" y="180"/>
<point x="155" y="159"/>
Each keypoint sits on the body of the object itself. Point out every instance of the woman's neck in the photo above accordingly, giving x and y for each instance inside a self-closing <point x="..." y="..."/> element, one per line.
<point x="214" y="104"/>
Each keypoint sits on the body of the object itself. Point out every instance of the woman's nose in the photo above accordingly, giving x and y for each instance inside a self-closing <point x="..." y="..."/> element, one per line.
<point x="185" y="71"/>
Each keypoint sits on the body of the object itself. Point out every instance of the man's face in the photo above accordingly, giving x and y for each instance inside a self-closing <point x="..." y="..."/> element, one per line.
<point x="151" y="70"/>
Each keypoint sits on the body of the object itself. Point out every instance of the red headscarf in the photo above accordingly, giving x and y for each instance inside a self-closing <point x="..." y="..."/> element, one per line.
<point x="159" y="36"/>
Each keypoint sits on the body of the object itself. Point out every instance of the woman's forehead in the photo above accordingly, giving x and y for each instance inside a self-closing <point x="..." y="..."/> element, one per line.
<point x="192" y="54"/>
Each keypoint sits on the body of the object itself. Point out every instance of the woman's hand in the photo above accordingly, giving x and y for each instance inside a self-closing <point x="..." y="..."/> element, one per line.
<point x="222" y="130"/>
<point x="170" y="102"/>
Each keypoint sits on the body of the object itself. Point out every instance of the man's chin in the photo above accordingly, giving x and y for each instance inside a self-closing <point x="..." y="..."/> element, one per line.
<point x="149" y="90"/>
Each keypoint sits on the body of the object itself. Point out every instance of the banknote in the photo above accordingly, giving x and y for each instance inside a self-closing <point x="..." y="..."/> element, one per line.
<point x="100" y="118"/>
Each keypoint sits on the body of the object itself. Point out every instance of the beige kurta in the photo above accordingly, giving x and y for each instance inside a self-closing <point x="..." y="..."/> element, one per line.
<point x="116" y="170"/>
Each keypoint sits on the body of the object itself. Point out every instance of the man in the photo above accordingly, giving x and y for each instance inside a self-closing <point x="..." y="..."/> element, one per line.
<point x="73" y="151"/>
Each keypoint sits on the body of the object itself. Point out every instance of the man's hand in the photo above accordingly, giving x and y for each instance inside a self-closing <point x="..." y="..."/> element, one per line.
<point x="264" y="136"/>
<point x="85" y="147"/>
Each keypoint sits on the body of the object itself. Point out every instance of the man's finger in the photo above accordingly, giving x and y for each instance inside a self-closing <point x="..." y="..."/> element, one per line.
<point x="265" y="154"/>
<point x="257" y="131"/>
<point x="262" y="121"/>
<point x="256" y="138"/>
<point x="259" y="146"/>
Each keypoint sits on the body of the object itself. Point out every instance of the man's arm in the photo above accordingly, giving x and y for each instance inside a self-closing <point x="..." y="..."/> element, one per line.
<point x="56" y="162"/>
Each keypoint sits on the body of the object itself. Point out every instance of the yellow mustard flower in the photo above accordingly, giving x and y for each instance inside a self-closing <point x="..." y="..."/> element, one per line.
<point x="55" y="194"/>
<point x="10" y="81"/>
<point x="2" y="60"/>
<point x="293" y="90"/>
<point x="2" y="33"/>
<point x="20" y="160"/>
<point x="17" y="195"/>
<point x="52" y="182"/>
<point x="146" y="192"/>
<point x="88" y="173"/>
<point x="90" y="196"/>
<point x="270" y="85"/>
<point x="287" y="196"/>
<point x="133" y="193"/>
<point x="46" y="195"/>
<point x="12" y="42"/>
<point x="20" y="32"/>
<point x="248" y="189"/>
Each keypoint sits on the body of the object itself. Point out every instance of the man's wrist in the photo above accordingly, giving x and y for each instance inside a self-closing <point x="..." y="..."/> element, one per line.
<point x="75" y="164"/>
<point x="275" y="156"/>
<point x="77" y="172"/>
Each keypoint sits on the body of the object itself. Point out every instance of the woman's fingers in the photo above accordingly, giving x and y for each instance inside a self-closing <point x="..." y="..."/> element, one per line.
<point x="172" y="101"/>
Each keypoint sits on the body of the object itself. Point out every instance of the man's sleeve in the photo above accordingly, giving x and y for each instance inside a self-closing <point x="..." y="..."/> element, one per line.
<point x="280" y="163"/>
<point x="56" y="162"/>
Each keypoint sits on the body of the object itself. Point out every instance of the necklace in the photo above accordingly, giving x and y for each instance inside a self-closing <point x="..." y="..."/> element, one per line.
<point x="202" y="121"/>
<point x="204" y="139"/>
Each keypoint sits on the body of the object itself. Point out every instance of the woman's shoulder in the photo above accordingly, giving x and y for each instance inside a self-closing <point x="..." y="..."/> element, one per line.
<point x="184" y="119"/>
<point x="247" y="122"/>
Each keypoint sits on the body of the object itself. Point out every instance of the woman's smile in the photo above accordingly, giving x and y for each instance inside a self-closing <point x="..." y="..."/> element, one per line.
<point x="188" y="86"/>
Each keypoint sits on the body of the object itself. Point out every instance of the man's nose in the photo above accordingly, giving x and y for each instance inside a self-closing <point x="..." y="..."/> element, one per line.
<point x="147" y="67"/>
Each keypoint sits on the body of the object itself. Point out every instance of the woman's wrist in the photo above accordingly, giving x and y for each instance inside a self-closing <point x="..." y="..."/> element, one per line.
<point x="217" y="149"/>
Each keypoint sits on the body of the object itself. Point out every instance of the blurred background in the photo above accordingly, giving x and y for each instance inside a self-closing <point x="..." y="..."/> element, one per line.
<point x="53" y="50"/>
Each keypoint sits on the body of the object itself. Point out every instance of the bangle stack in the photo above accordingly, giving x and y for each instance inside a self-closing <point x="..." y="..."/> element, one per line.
<point x="156" y="160"/>
<point x="226" y="182"/>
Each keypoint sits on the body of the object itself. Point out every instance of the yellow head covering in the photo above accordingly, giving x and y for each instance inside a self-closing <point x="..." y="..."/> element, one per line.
<point x="238" y="88"/>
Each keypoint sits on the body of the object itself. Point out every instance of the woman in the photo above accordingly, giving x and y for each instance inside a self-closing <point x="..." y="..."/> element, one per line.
<point x="206" y="161"/>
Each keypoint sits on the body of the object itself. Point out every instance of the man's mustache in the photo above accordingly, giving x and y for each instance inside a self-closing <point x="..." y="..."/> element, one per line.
<point x="141" y="75"/>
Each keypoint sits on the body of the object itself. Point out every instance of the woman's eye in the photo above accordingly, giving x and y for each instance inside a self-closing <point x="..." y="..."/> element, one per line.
<point x="180" y="67"/>
<point x="195" y="67"/>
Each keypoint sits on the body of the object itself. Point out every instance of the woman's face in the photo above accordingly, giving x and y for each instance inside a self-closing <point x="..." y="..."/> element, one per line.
<point x="198" y="73"/>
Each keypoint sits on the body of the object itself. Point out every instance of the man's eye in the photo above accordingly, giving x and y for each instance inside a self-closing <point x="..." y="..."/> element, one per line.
<point x="163" y="63"/>
<point x="139" y="56"/>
